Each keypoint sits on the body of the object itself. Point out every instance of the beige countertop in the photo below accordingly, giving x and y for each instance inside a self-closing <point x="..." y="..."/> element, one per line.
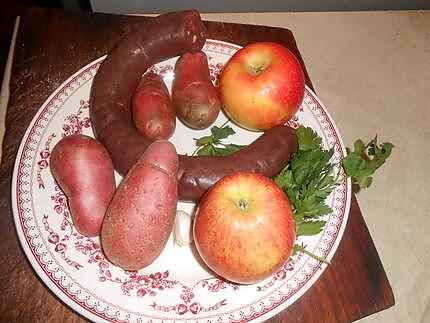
<point x="372" y="71"/>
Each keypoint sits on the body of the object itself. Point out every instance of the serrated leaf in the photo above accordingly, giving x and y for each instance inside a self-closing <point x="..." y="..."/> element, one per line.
<point x="308" y="164"/>
<point x="312" y="207"/>
<point x="310" y="228"/>
<point x="212" y="145"/>
<point x="285" y="178"/>
<point x="285" y="181"/>
<point x="325" y="186"/>
<point x="353" y="163"/>
<point x="383" y="152"/>
<point x="307" y="138"/>
<point x="307" y="180"/>
<point x="361" y="166"/>
<point x="222" y="132"/>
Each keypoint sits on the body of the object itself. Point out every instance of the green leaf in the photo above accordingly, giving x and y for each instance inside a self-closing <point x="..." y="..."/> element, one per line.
<point x="365" y="181"/>
<point x="232" y="148"/>
<point x="285" y="178"/>
<point x="308" y="164"/>
<point x="222" y="132"/>
<point x="206" y="140"/>
<point x="310" y="228"/>
<point x="325" y="185"/>
<point x="212" y="145"/>
<point x="307" y="138"/>
<point x="312" y="207"/>
<point x="359" y="146"/>
<point x="226" y="150"/>
<point x="361" y="165"/>
<point x="307" y="180"/>
<point x="353" y="164"/>
<point x="207" y="150"/>
<point x="220" y="151"/>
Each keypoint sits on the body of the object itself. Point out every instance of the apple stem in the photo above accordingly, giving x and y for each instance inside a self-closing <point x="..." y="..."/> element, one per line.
<point x="243" y="204"/>
<point x="255" y="70"/>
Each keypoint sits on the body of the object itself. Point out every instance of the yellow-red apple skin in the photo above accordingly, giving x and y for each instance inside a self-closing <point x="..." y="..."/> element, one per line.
<point x="269" y="98"/>
<point x="244" y="246"/>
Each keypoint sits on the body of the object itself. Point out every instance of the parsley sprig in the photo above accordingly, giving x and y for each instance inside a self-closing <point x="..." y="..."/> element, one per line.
<point x="308" y="180"/>
<point x="310" y="177"/>
<point x="212" y="145"/>
<point x="365" y="159"/>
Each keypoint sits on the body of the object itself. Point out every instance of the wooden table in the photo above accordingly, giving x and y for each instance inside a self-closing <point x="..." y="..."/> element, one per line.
<point x="53" y="44"/>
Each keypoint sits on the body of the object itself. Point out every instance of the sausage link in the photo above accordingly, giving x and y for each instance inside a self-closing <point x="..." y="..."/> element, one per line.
<point x="267" y="155"/>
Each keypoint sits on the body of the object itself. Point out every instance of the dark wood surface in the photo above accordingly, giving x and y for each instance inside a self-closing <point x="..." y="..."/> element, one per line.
<point x="52" y="45"/>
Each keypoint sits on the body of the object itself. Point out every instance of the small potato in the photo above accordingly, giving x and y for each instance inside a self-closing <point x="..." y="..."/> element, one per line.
<point x="84" y="171"/>
<point x="194" y="96"/>
<point x="140" y="217"/>
<point x="153" y="112"/>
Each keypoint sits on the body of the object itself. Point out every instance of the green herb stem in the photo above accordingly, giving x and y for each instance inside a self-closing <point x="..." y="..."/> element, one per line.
<point x="311" y="254"/>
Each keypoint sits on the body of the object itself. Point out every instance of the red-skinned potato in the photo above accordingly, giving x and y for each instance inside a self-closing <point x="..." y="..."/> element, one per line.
<point x="153" y="112"/>
<point x="84" y="171"/>
<point x="194" y="96"/>
<point x="140" y="217"/>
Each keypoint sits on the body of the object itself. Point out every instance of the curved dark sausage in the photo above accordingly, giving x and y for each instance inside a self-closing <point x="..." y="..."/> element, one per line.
<point x="267" y="155"/>
<point x="166" y="36"/>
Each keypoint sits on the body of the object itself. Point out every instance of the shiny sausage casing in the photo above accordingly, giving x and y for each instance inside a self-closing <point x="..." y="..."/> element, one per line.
<point x="267" y="155"/>
<point x="163" y="37"/>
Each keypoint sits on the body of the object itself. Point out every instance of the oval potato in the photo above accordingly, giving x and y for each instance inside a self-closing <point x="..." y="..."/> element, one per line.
<point x="194" y="96"/>
<point x="84" y="171"/>
<point x="140" y="217"/>
<point x="152" y="108"/>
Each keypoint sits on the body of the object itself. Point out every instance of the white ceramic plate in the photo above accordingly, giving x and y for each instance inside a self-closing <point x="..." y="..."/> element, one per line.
<point x="175" y="287"/>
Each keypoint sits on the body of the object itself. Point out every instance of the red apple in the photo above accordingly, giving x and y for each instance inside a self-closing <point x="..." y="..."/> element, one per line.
<point x="244" y="228"/>
<point x="261" y="86"/>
